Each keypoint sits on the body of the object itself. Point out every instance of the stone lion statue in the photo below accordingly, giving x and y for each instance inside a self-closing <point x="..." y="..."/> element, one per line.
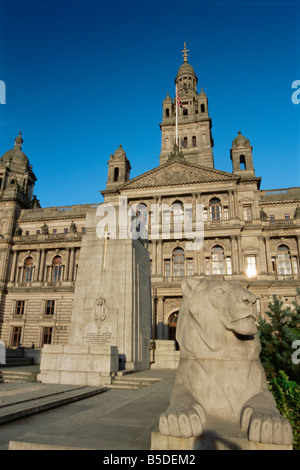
<point x="220" y="381"/>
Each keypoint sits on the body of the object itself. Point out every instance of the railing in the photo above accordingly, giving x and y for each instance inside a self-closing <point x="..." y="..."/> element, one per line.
<point x="278" y="222"/>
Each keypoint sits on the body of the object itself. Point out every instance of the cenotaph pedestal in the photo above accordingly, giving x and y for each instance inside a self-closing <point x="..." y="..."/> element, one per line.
<point x="111" y="317"/>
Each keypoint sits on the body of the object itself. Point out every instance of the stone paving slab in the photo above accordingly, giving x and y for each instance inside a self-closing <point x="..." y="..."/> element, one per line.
<point x="114" y="420"/>
<point x="18" y="400"/>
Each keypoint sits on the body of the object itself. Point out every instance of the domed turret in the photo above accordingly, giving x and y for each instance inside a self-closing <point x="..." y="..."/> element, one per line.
<point x="15" y="155"/>
<point x="241" y="156"/>
<point x="186" y="78"/>
<point x="118" y="168"/>
<point x="240" y="140"/>
<point x="16" y="173"/>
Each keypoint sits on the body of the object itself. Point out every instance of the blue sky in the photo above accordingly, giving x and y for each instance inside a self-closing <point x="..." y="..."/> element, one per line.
<point x="83" y="77"/>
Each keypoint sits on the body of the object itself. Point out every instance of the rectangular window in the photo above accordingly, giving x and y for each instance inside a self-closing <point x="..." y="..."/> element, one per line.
<point x="83" y="230"/>
<point x="207" y="266"/>
<point x="66" y="230"/>
<point x="49" y="307"/>
<point x="20" y="307"/>
<point x="287" y="217"/>
<point x="27" y="232"/>
<point x="247" y="212"/>
<point x="54" y="230"/>
<point x="38" y="232"/>
<point x="190" y="267"/>
<point x="272" y="218"/>
<point x="228" y="265"/>
<point x="251" y="266"/>
<point x="16" y="335"/>
<point x="295" y="265"/>
<point x="47" y="335"/>
<point x="167" y="268"/>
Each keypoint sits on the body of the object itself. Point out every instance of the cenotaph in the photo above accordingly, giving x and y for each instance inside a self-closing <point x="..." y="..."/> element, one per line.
<point x="111" y="317"/>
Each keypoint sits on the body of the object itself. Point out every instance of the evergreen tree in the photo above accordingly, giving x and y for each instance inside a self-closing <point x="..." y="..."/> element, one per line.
<point x="277" y="334"/>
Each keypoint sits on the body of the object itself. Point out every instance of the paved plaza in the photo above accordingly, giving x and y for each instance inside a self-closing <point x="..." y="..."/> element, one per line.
<point x="112" y="419"/>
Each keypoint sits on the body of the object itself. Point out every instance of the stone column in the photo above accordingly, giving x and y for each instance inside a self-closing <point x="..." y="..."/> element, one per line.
<point x="160" y="318"/>
<point x="36" y="272"/>
<point x="262" y="255"/>
<point x="13" y="267"/>
<point x="298" y="246"/>
<point x="154" y="257"/>
<point x="159" y="257"/>
<point x="268" y="255"/>
<point x="236" y="206"/>
<point x="71" y="265"/>
<point x="234" y="255"/>
<point x="42" y="266"/>
<point x="240" y="254"/>
<point x="231" y="205"/>
<point x="66" y="271"/>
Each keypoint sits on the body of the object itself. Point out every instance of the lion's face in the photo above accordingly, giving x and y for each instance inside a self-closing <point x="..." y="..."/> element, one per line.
<point x="226" y="302"/>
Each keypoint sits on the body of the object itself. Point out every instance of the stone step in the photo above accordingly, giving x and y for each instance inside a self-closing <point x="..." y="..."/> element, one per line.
<point x="14" y="376"/>
<point x="131" y="382"/>
<point x="124" y="386"/>
<point x="17" y="361"/>
<point x="28" y="407"/>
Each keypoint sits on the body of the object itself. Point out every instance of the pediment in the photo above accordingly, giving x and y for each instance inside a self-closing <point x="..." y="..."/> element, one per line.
<point x="177" y="173"/>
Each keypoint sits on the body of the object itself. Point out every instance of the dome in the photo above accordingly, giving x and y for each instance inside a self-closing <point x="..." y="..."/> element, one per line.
<point x="120" y="153"/>
<point x="186" y="69"/>
<point x="240" y="139"/>
<point x="15" y="154"/>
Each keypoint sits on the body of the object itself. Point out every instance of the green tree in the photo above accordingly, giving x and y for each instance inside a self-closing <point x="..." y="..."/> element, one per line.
<point x="277" y="333"/>
<point x="287" y="397"/>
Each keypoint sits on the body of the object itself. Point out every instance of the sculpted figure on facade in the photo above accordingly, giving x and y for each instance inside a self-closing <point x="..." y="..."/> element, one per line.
<point x="220" y="380"/>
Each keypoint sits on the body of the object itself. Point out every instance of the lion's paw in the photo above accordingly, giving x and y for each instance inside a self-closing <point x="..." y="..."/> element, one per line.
<point x="183" y="421"/>
<point x="266" y="427"/>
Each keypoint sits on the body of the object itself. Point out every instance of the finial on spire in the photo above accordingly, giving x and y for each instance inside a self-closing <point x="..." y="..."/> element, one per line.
<point x="185" y="55"/>
<point x="19" y="141"/>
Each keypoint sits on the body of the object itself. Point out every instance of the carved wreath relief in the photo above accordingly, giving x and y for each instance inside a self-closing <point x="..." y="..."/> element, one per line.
<point x="100" y="315"/>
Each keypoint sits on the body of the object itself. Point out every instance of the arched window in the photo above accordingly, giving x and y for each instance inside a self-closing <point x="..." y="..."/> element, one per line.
<point x="185" y="111"/>
<point x="284" y="260"/>
<point x="177" y="209"/>
<point x="142" y="219"/>
<point x="202" y="108"/>
<point x="215" y="209"/>
<point x="194" y="141"/>
<point x="57" y="269"/>
<point x="242" y="162"/>
<point x="28" y="270"/>
<point x="218" y="260"/>
<point x="116" y="174"/>
<point x="167" y="112"/>
<point x="185" y="142"/>
<point x="172" y="325"/>
<point x="178" y="263"/>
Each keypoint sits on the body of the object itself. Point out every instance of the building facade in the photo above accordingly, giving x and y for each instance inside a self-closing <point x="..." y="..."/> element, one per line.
<point x="250" y="235"/>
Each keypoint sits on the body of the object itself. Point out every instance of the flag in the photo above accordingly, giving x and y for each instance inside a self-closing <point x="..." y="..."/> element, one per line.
<point x="179" y="103"/>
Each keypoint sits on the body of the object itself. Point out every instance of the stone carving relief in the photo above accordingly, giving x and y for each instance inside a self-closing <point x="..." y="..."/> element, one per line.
<point x="101" y="312"/>
<point x="220" y="380"/>
<point x="289" y="242"/>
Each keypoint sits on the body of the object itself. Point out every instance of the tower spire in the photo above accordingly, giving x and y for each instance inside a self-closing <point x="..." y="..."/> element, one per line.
<point x="185" y="55"/>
